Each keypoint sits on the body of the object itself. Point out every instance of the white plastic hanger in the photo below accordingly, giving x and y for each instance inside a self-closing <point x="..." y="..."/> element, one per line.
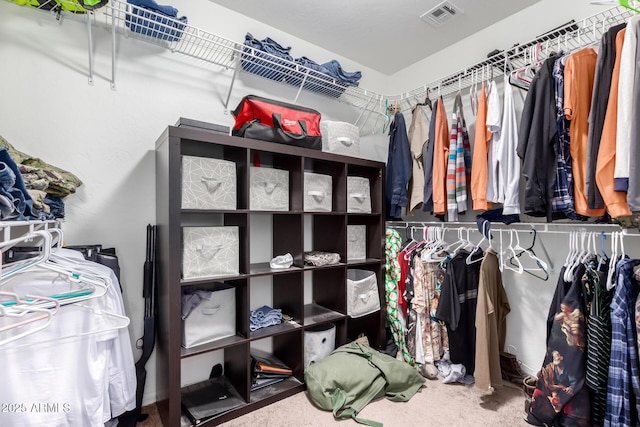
<point x="477" y="248"/>
<point x="611" y="282"/>
<point x="29" y="311"/>
<point x="511" y="251"/>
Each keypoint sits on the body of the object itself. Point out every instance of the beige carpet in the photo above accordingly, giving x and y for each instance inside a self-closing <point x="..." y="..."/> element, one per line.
<point x="436" y="405"/>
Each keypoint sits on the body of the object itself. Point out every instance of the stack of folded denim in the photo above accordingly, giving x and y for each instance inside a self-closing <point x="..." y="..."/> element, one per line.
<point x="332" y="69"/>
<point x="277" y="62"/>
<point x="264" y="316"/>
<point x="271" y="60"/>
<point x="15" y="201"/>
<point x="154" y="20"/>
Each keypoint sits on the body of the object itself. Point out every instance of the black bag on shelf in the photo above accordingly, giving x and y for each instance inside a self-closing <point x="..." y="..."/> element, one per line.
<point x="277" y="121"/>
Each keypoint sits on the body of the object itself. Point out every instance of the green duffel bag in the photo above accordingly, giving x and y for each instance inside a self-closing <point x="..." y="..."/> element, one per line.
<point x="355" y="374"/>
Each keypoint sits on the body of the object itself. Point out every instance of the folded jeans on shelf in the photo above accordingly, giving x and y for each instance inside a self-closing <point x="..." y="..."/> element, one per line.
<point x="266" y="58"/>
<point x="264" y="316"/>
<point x="159" y="21"/>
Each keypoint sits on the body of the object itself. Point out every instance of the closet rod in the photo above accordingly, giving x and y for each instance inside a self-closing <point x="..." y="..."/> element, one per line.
<point x="556" y="228"/>
<point x="571" y="36"/>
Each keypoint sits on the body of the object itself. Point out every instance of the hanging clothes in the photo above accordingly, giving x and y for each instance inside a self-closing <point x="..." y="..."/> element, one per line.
<point x="625" y="104"/>
<point x="494" y="126"/>
<point x="440" y="159"/>
<point x="491" y="324"/>
<point x="418" y="137"/>
<point x="459" y="165"/>
<point x="479" y="166"/>
<point x="598" y="339"/>
<point x="398" y="168"/>
<point x="599" y="102"/>
<point x="633" y="195"/>
<point x="622" y="409"/>
<point x="80" y="362"/>
<point x="537" y="139"/>
<point x="393" y="244"/>
<point x="508" y="158"/>
<point x="457" y="308"/>
<point x="427" y="162"/>
<point x="562" y="200"/>
<point x="579" y="73"/>
<point x="428" y="280"/>
<point x="615" y="202"/>
<point x="560" y="397"/>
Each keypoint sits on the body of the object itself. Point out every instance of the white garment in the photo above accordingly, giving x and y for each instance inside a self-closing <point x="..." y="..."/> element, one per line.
<point x="625" y="98"/>
<point x="509" y="162"/>
<point x="494" y="124"/>
<point x="121" y="368"/>
<point x="54" y="381"/>
<point x="117" y="364"/>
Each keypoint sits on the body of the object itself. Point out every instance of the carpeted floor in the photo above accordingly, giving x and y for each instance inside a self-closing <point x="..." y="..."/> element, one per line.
<point x="438" y="405"/>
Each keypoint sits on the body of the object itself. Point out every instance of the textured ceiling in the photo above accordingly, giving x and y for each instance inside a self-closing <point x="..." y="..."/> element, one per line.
<point x="386" y="36"/>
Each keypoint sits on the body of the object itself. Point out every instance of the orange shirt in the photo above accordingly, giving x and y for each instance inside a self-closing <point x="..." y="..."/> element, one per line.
<point x="579" y="74"/>
<point x="479" y="166"/>
<point x="440" y="159"/>
<point x="616" y="202"/>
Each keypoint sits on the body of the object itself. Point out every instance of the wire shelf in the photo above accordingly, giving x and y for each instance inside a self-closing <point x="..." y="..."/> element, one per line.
<point x="177" y="36"/>
<point x="567" y="38"/>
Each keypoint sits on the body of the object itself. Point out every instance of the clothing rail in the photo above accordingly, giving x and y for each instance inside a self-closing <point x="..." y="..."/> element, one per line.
<point x="569" y="37"/>
<point x="541" y="227"/>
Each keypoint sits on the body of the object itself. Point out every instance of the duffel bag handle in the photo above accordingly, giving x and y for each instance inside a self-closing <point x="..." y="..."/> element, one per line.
<point x="277" y="123"/>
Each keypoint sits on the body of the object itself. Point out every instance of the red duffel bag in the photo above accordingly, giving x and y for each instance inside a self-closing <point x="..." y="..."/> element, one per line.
<point x="277" y="121"/>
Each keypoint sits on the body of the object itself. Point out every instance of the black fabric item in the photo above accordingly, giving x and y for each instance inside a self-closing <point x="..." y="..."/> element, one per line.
<point x="457" y="308"/>
<point x="538" y="142"/>
<point x="494" y="215"/>
<point x="561" y="397"/>
<point x="599" y="103"/>
<point x="427" y="160"/>
<point x="599" y="348"/>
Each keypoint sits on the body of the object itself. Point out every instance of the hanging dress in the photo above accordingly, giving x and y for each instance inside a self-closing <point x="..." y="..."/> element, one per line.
<point x="392" y="247"/>
<point x="561" y="397"/>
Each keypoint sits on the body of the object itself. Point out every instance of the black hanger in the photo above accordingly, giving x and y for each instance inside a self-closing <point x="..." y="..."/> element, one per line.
<point x="545" y="275"/>
<point x="427" y="101"/>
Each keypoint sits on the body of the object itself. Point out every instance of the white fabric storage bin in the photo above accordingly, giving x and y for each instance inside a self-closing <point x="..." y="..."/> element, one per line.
<point x="319" y="342"/>
<point x="362" y="293"/>
<point x="358" y="195"/>
<point x="340" y="138"/>
<point x="208" y="183"/>
<point x="356" y="242"/>
<point x="210" y="251"/>
<point x="317" y="192"/>
<point x="213" y="319"/>
<point x="269" y="189"/>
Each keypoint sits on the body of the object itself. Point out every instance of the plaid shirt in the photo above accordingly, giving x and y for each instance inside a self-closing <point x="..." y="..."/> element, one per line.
<point x="624" y="374"/>
<point x="562" y="200"/>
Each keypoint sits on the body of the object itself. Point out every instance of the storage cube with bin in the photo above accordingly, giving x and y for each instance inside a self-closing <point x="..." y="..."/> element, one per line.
<point x="222" y="217"/>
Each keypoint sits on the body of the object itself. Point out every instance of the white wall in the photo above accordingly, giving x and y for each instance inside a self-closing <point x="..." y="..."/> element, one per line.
<point x="107" y="137"/>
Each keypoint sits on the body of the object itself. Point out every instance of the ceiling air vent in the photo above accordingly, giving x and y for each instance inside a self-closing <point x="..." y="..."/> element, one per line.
<point x="441" y="13"/>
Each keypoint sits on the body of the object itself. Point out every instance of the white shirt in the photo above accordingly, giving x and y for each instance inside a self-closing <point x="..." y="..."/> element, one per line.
<point x="494" y="125"/>
<point x="118" y="369"/>
<point x="509" y="161"/>
<point x="625" y="98"/>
